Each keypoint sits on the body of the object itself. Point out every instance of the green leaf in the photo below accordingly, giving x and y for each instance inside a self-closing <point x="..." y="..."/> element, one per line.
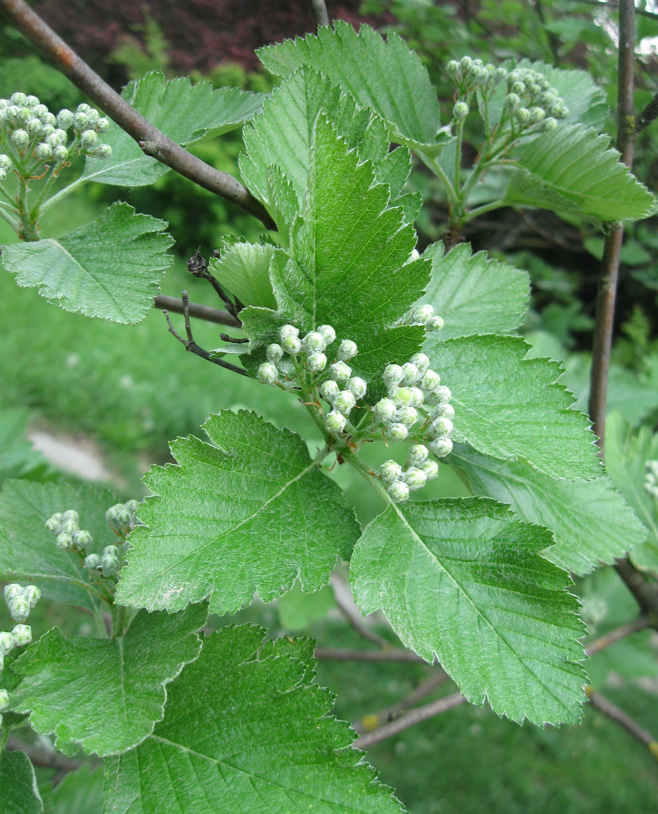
<point x="463" y="581"/>
<point x="17" y="456"/>
<point x="79" y="792"/>
<point x="18" y="785"/>
<point x="105" y="695"/>
<point x="248" y="513"/>
<point x="181" y="111"/>
<point x="591" y="521"/>
<point x="28" y="550"/>
<point x="382" y="74"/>
<point x="244" y="270"/>
<point x="571" y="170"/>
<point x="281" y="137"/>
<point x="109" y="268"/>
<point x="246" y="730"/>
<point x="626" y="453"/>
<point x="474" y="294"/>
<point x="512" y="408"/>
<point x="348" y="262"/>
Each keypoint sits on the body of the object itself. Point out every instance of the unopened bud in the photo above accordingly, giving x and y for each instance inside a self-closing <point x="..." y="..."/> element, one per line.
<point x="347" y="350"/>
<point x="399" y="491"/>
<point x="415" y="478"/>
<point x="344" y="402"/>
<point x="316" y="362"/>
<point x="82" y="539"/>
<point x="335" y="422"/>
<point x="329" y="390"/>
<point x="460" y="111"/>
<point x="22" y="635"/>
<point x="340" y="372"/>
<point x="7" y="643"/>
<point x="385" y="410"/>
<point x="32" y="594"/>
<point x="274" y="353"/>
<point x="397" y="432"/>
<point x="357" y="386"/>
<point x="291" y="345"/>
<point x="268" y="373"/>
<point x="19" y="608"/>
<point x="390" y="471"/>
<point x="328" y="334"/>
<point x="441" y="447"/>
<point x="313" y="342"/>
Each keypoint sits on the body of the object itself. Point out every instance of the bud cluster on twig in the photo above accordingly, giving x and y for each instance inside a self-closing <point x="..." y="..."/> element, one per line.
<point x="20" y="599"/>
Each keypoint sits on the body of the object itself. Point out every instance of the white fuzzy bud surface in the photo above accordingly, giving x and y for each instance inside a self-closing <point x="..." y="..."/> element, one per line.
<point x="313" y="342"/>
<point x="417" y="397"/>
<point x="267" y="373"/>
<point x="385" y="410"/>
<point x="64" y="541"/>
<point x="32" y="594"/>
<point x="407" y="416"/>
<point x="411" y="373"/>
<point x="7" y="643"/>
<point x="291" y="345"/>
<point x="316" y="362"/>
<point x="399" y="491"/>
<point x="329" y="390"/>
<point x="19" y="608"/>
<point x="430" y="468"/>
<point x="335" y="422"/>
<point x="12" y="591"/>
<point x="274" y="353"/>
<point x="442" y="394"/>
<point x="417" y="454"/>
<point x="328" y="333"/>
<point x="397" y="432"/>
<point x="434" y="323"/>
<point x="92" y="562"/>
<point x="347" y="350"/>
<point x="393" y="374"/>
<point x="345" y="402"/>
<point x="4" y="700"/>
<point x="441" y="426"/>
<point x="430" y="381"/>
<point x="444" y="410"/>
<point x="441" y="447"/>
<point x="22" y="635"/>
<point x="415" y="478"/>
<point x="421" y="361"/>
<point x="390" y="471"/>
<point x="421" y="314"/>
<point x="288" y="330"/>
<point x="340" y="372"/>
<point x="357" y="386"/>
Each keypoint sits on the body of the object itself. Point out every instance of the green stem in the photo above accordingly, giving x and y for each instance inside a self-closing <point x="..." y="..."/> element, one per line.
<point x="367" y="474"/>
<point x="458" y="161"/>
<point x="119" y="621"/>
<point x="36" y="209"/>
<point x="436" y="168"/>
<point x="6" y="216"/>
<point x="59" y="196"/>
<point x="481" y="210"/>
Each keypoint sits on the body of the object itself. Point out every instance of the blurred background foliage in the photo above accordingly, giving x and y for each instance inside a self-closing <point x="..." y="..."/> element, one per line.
<point x="131" y="389"/>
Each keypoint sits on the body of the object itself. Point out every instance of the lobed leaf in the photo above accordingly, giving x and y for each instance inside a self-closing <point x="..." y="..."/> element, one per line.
<point x="182" y="111"/>
<point x="27" y="549"/>
<point x="18" y="784"/>
<point x="626" y="453"/>
<point x="571" y="170"/>
<point x="474" y="294"/>
<point x="243" y="269"/>
<point x="591" y="521"/>
<point x="510" y="407"/>
<point x="385" y="75"/>
<point x="249" y="512"/>
<point x="105" y="695"/>
<point x="349" y="262"/>
<point x="465" y="582"/>
<point x="246" y="730"/>
<point x="109" y="268"/>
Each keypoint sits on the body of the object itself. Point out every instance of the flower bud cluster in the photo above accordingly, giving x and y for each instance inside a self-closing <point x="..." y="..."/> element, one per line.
<point x="473" y="74"/>
<point x="532" y="101"/>
<point x="68" y="534"/>
<point x="424" y="315"/>
<point x="107" y="564"/>
<point x="417" y="471"/>
<point x="20" y="599"/>
<point x="651" y="478"/>
<point x="121" y="517"/>
<point x="33" y="136"/>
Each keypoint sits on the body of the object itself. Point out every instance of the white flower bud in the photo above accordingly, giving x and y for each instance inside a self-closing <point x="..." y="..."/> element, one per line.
<point x="335" y="422"/>
<point x="340" y="372"/>
<point x="523" y="115"/>
<point x="102" y="125"/>
<point x="441" y="447"/>
<point x="421" y="361"/>
<point x="390" y="471"/>
<point x="513" y="101"/>
<point x="329" y="390"/>
<point x="104" y="151"/>
<point x="417" y="454"/>
<point x="110" y="561"/>
<point x="384" y="410"/>
<point x="32" y="594"/>
<point x="518" y="88"/>
<point x="93" y="116"/>
<point x="442" y="394"/>
<point x="20" y="138"/>
<point x="407" y="416"/>
<point x="22" y="635"/>
<point x="92" y="562"/>
<point x="70" y="527"/>
<point x="357" y="386"/>
<point x="415" y="478"/>
<point x="60" y="154"/>
<point x="430" y="468"/>
<point x="64" y="119"/>
<point x="268" y="373"/>
<point x="399" y="491"/>
<point x="88" y="139"/>
<point x="549" y="124"/>
<point x="402" y="396"/>
<point x="80" y="121"/>
<point x="441" y="426"/>
<point x="50" y="120"/>
<point x="131" y="506"/>
<point x="19" y="608"/>
<point x="460" y="111"/>
<point x="83" y="107"/>
<point x="12" y="591"/>
<point x="417" y="397"/>
<point x="328" y="334"/>
<point x="313" y="342"/>
<point x="286" y="367"/>
<point x="430" y="381"/>
<point x="291" y="345"/>
<point x="3" y="175"/>
<point x="34" y="127"/>
<point x="466" y="64"/>
<point x="444" y="410"/>
<point x="57" y="138"/>
<point x="434" y="323"/>
<point x="537" y="114"/>
<point x="64" y="541"/>
<point x="344" y="402"/>
<point x="82" y="538"/>
<point x="288" y="330"/>
<point x="44" y="151"/>
<point x="392" y="375"/>
<point x="118" y="518"/>
<point x="411" y="373"/>
<point x="453" y="70"/>
<point x="5" y="162"/>
<point x="19" y="99"/>
<point x="71" y="515"/>
<point x="501" y="74"/>
<point x="421" y="314"/>
<point x="7" y="643"/>
<point x="316" y="362"/>
<point x="347" y="350"/>
<point x="274" y="353"/>
<point x="4" y="700"/>
<point x="397" y="432"/>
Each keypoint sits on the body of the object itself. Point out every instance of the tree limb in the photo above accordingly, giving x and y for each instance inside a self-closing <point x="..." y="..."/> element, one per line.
<point x="641" y="623"/>
<point x="153" y="142"/>
<point x="645" y="118"/>
<point x="617" y="715"/>
<point x="412" y="718"/>
<point x="351" y="612"/>
<point x="204" y="312"/>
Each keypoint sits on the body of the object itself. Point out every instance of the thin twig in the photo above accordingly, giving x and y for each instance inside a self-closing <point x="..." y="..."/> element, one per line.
<point x="645" y="118"/>
<point x="641" y="623"/>
<point x="617" y="715"/>
<point x="412" y="718"/>
<point x="374" y="720"/>
<point x="615" y="7"/>
<point x="192" y="346"/>
<point x="153" y="142"/>
<point x="352" y="613"/>
<point x="319" y="12"/>
<point x="204" y="312"/>
<point x="338" y="654"/>
<point x="644" y="592"/>
<point x="198" y="267"/>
